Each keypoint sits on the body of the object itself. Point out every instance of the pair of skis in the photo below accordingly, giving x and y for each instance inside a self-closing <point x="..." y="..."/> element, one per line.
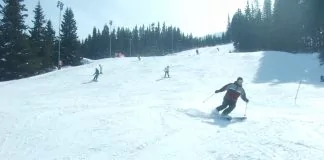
<point x="215" y="114"/>
<point x="229" y="118"/>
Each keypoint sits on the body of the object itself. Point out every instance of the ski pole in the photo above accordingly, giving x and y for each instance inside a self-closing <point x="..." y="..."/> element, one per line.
<point x="297" y="91"/>
<point x="208" y="98"/>
<point x="245" y="109"/>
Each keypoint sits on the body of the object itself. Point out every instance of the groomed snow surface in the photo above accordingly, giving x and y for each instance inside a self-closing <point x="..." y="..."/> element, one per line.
<point x="132" y="114"/>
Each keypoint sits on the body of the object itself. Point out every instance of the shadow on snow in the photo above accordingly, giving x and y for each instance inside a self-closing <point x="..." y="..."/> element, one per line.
<point x="208" y="118"/>
<point x="281" y="67"/>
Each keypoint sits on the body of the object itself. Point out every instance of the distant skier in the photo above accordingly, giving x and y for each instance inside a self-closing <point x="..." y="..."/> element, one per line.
<point x="96" y="74"/>
<point x="139" y="57"/>
<point x="60" y="64"/>
<point x="100" y="66"/>
<point x="234" y="91"/>
<point x="166" y="72"/>
<point x="197" y="52"/>
<point x="322" y="78"/>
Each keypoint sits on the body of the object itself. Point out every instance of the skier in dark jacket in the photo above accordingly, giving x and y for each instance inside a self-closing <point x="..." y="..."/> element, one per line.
<point x="234" y="91"/>
<point x="166" y="72"/>
<point x="96" y="74"/>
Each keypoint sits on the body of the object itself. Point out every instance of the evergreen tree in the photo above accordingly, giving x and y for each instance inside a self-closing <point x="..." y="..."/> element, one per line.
<point x="237" y="29"/>
<point x="104" y="41"/>
<point x="135" y="40"/>
<point x="245" y="28"/>
<point x="86" y="47"/>
<point x="95" y="44"/>
<point x="286" y="25"/>
<point x="2" y="49"/>
<point x="69" y="37"/>
<point x="267" y="11"/>
<point x="15" y="58"/>
<point x="256" y="27"/>
<point x="37" y="39"/>
<point x="49" y="59"/>
<point x="113" y="42"/>
<point x="228" y="34"/>
<point x="266" y="24"/>
<point x="248" y="30"/>
<point x="314" y="14"/>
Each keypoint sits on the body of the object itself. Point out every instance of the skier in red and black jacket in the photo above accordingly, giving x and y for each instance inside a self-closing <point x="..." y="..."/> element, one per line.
<point x="234" y="91"/>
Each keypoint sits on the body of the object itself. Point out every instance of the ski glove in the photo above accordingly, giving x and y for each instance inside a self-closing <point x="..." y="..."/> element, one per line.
<point x="217" y="91"/>
<point x="247" y="101"/>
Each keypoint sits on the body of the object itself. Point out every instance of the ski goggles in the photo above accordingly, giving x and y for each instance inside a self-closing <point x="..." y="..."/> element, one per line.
<point x="240" y="81"/>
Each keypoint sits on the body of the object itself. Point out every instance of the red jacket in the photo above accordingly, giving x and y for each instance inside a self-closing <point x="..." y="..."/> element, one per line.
<point x="234" y="91"/>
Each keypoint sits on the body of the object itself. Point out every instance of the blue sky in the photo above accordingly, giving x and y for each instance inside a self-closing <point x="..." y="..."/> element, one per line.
<point x="199" y="17"/>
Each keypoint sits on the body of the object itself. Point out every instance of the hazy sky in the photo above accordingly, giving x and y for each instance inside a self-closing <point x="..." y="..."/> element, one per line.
<point x="199" y="17"/>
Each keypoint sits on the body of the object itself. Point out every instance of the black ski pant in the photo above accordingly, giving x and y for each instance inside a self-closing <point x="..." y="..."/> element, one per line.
<point x="166" y="73"/>
<point x="95" y="77"/>
<point x="231" y="105"/>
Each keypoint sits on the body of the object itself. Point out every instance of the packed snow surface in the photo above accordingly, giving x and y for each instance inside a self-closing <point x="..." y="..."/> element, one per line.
<point x="132" y="113"/>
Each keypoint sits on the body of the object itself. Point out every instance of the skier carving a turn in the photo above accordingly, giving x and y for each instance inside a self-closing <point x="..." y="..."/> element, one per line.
<point x="234" y="91"/>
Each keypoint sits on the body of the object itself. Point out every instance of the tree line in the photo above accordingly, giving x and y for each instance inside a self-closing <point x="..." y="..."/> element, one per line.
<point x="26" y="51"/>
<point x="31" y="50"/>
<point x="282" y="25"/>
<point x="152" y="40"/>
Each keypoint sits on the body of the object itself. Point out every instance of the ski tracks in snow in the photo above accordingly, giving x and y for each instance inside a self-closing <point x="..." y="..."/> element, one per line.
<point x="262" y="137"/>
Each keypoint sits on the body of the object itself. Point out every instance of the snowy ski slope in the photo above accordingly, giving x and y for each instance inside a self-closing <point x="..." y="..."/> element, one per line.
<point x="129" y="115"/>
